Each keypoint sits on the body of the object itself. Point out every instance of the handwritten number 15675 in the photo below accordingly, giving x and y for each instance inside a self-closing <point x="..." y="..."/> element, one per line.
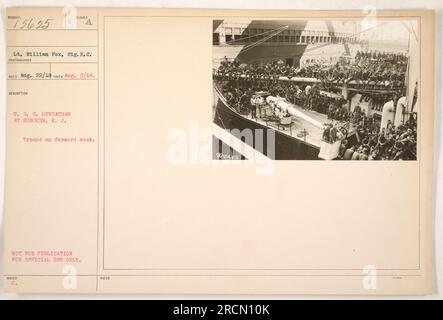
<point x="32" y="23"/>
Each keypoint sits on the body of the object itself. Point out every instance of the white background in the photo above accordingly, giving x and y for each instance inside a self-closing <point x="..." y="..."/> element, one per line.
<point x="248" y="4"/>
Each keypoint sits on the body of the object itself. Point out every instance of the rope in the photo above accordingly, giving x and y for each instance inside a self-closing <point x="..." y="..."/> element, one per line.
<point x="263" y="40"/>
<point x="255" y="35"/>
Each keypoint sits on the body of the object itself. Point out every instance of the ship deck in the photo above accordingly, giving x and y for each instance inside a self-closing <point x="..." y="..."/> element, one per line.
<point x="298" y="126"/>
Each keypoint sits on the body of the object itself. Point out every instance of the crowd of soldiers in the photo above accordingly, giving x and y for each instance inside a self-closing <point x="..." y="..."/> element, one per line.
<point x="239" y="82"/>
<point x="368" y="70"/>
<point x="239" y="92"/>
<point x="390" y="143"/>
<point x="371" y="69"/>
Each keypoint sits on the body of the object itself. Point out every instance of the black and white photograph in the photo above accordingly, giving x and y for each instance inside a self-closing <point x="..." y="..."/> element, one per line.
<point x="316" y="89"/>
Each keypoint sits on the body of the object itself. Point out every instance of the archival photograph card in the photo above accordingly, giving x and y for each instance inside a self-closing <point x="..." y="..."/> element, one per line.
<point x="188" y="151"/>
